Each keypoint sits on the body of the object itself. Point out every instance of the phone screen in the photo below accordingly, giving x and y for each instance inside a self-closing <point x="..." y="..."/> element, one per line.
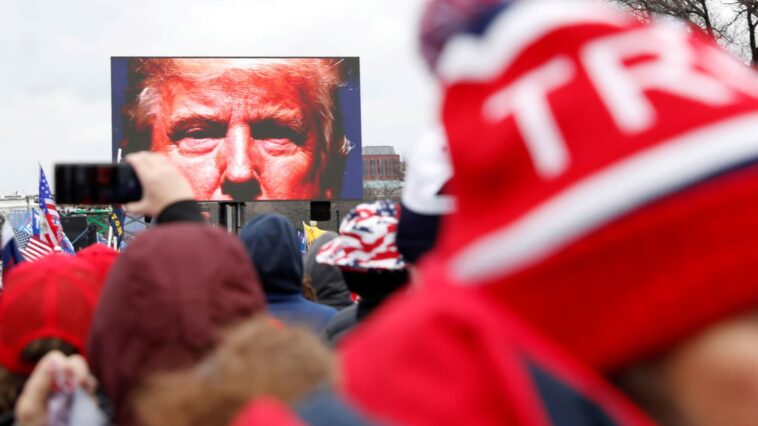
<point x="96" y="184"/>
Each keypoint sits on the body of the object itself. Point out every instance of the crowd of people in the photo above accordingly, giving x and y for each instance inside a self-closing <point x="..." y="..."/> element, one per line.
<point x="573" y="247"/>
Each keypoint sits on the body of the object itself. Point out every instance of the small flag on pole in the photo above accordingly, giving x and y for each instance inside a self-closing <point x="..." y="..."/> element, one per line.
<point x="47" y="205"/>
<point x="22" y="238"/>
<point x="311" y="233"/>
<point x="116" y="221"/>
<point x="36" y="249"/>
<point x="11" y="256"/>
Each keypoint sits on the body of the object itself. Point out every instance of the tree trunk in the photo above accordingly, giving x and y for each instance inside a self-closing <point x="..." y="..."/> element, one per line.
<point x="707" y="18"/>
<point x="751" y="32"/>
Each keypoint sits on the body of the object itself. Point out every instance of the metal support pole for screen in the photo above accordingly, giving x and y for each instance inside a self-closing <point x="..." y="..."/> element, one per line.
<point x="222" y="215"/>
<point x="231" y="215"/>
<point x="240" y="217"/>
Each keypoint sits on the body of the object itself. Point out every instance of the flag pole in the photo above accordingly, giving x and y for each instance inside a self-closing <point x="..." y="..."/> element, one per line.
<point x="119" y="158"/>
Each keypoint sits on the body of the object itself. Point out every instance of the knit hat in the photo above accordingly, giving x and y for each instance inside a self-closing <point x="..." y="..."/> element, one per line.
<point x="443" y="19"/>
<point x="604" y="177"/>
<point x="54" y="297"/>
<point x="426" y="196"/>
<point x="165" y="303"/>
<point x="366" y="240"/>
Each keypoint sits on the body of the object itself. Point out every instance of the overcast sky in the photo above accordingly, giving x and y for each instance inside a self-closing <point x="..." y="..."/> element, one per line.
<point x="55" y="77"/>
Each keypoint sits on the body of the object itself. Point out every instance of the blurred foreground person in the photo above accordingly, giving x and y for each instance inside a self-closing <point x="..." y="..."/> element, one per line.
<point x="259" y="358"/>
<point x="453" y="363"/>
<point x="446" y="356"/>
<point x="452" y="357"/>
<point x="426" y="198"/>
<point x="609" y="198"/>
<point x="326" y="280"/>
<point x="273" y="249"/>
<point x="165" y="302"/>
<point x="46" y="306"/>
<point x="371" y="265"/>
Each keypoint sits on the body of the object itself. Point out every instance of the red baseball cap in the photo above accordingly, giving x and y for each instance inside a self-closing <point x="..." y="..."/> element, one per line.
<point x="53" y="297"/>
<point x="100" y="257"/>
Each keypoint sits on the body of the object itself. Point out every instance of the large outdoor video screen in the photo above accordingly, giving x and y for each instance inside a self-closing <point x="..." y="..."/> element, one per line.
<point x="244" y="129"/>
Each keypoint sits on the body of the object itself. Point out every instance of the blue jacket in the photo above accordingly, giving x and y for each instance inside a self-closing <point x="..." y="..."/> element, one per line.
<point x="271" y="241"/>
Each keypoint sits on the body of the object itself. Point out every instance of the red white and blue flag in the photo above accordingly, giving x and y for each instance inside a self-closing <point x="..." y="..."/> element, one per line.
<point x="11" y="256"/>
<point x="36" y="249"/>
<point x="54" y="234"/>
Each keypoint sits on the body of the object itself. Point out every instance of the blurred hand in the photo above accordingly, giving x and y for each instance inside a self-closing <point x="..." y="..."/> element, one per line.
<point x="31" y="407"/>
<point x="162" y="183"/>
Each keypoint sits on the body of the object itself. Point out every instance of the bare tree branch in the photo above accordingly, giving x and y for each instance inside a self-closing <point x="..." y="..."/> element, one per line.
<point x="737" y="31"/>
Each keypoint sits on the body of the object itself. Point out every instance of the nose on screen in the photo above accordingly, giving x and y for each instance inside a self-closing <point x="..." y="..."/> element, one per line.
<point x="241" y="190"/>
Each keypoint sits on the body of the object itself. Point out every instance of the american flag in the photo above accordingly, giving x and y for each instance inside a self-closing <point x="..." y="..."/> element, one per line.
<point x="22" y="238"/>
<point x="47" y="204"/>
<point x="36" y="249"/>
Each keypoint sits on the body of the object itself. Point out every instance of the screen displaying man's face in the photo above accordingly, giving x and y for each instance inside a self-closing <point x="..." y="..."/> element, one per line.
<point x="242" y="129"/>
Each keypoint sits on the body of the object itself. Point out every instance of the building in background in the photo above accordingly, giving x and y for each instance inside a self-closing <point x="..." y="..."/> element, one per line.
<point x="13" y="202"/>
<point x="383" y="173"/>
<point x="381" y="163"/>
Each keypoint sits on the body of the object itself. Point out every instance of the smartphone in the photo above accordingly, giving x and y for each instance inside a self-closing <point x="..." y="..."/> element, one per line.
<point x="96" y="184"/>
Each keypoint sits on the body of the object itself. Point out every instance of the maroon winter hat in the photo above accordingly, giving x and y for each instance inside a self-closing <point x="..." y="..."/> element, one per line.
<point x="164" y="304"/>
<point x="605" y="177"/>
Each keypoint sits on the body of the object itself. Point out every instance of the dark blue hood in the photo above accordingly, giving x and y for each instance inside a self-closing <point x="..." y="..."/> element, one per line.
<point x="272" y="244"/>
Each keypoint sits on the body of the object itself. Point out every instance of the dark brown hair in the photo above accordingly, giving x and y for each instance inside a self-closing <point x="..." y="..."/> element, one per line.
<point x="308" y="291"/>
<point x="12" y="384"/>
<point x="644" y="385"/>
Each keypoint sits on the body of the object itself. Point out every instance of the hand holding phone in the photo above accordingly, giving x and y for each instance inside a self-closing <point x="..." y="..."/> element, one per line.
<point x="148" y="182"/>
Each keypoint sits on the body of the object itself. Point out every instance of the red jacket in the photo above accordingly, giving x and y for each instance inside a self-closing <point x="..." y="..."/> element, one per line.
<point x="452" y="357"/>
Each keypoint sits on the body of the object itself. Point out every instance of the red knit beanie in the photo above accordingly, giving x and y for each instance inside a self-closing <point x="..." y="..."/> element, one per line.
<point x="636" y="287"/>
<point x="604" y="178"/>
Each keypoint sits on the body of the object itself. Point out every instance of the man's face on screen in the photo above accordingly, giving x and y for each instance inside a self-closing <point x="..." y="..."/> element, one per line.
<point x="242" y="133"/>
